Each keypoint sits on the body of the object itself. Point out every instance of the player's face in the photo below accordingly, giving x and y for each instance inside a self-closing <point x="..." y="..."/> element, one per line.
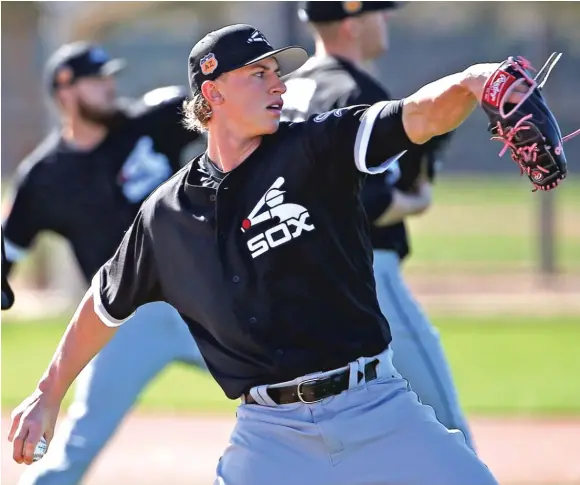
<point x="374" y="33"/>
<point x="252" y="97"/>
<point x="95" y="98"/>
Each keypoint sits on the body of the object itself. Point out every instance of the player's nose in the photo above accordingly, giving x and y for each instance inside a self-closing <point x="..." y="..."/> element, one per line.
<point x="279" y="87"/>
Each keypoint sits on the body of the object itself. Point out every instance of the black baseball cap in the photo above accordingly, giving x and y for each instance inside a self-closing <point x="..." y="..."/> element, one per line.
<point x="76" y="60"/>
<point x="236" y="46"/>
<point x="320" y="11"/>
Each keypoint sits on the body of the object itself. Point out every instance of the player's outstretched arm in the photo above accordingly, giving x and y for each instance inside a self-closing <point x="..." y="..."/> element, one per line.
<point x="441" y="106"/>
<point x="36" y="416"/>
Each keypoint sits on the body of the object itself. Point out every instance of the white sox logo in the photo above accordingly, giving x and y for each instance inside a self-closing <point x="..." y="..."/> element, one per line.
<point x="257" y="36"/>
<point x="292" y="219"/>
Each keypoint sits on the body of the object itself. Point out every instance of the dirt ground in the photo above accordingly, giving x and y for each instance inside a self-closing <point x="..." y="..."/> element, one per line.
<point x="170" y="450"/>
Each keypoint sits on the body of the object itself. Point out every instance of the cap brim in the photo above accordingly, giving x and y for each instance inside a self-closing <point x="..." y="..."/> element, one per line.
<point x="289" y="58"/>
<point x="113" y="67"/>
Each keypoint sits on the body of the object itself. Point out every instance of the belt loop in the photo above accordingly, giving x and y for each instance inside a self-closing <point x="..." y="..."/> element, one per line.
<point x="361" y="361"/>
<point x="352" y="375"/>
<point x="260" y="395"/>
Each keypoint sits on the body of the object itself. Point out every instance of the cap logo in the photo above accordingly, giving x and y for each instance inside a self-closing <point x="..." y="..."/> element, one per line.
<point x="257" y="36"/>
<point x="208" y="64"/>
<point x="98" y="55"/>
<point x="64" y="76"/>
<point x="352" y="7"/>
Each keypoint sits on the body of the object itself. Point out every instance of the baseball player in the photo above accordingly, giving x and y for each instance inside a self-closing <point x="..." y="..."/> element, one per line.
<point x="347" y="34"/>
<point x="86" y="183"/>
<point x="283" y="309"/>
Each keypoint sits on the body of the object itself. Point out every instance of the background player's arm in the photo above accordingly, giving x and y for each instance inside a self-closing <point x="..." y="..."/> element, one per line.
<point x="406" y="204"/>
<point x="384" y="202"/>
<point x="26" y="213"/>
<point x="7" y="293"/>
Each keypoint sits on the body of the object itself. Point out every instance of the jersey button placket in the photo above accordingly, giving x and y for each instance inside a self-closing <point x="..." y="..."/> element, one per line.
<point x="236" y="279"/>
<point x="253" y="320"/>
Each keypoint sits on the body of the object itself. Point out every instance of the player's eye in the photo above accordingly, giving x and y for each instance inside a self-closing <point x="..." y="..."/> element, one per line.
<point x="260" y="74"/>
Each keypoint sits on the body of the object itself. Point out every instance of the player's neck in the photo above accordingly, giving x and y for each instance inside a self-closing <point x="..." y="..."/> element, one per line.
<point x="228" y="151"/>
<point x="343" y="50"/>
<point x="83" y="134"/>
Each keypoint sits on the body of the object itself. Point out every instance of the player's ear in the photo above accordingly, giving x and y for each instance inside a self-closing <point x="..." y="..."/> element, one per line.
<point x="351" y="27"/>
<point x="211" y="92"/>
<point x="62" y="97"/>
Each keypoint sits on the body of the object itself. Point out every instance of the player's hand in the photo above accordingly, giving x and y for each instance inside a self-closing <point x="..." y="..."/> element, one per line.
<point x="478" y="74"/>
<point x="31" y="420"/>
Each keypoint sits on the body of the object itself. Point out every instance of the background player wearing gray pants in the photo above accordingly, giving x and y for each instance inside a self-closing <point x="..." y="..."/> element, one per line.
<point x="86" y="184"/>
<point x="109" y="386"/>
<point x="417" y="350"/>
<point x="331" y="79"/>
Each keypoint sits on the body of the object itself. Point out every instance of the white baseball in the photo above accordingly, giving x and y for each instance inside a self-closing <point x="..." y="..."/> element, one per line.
<point x="40" y="449"/>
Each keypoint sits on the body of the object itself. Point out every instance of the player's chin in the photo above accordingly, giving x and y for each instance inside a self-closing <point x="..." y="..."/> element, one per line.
<point x="271" y="126"/>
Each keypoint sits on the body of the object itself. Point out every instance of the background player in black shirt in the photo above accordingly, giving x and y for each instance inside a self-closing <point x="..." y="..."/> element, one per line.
<point x="346" y="37"/>
<point x="271" y="269"/>
<point x="86" y="182"/>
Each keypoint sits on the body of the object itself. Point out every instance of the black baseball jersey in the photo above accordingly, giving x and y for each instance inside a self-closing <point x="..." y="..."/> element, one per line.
<point x="326" y="83"/>
<point x="269" y="264"/>
<point x="91" y="197"/>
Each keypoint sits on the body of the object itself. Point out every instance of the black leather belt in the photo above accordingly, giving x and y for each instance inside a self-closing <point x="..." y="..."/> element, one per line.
<point x="316" y="389"/>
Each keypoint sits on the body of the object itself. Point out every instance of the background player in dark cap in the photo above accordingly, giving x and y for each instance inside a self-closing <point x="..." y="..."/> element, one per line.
<point x="86" y="182"/>
<point x="348" y="35"/>
<point x="269" y="265"/>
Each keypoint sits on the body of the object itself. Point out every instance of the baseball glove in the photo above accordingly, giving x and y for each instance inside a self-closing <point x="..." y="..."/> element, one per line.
<point x="528" y="129"/>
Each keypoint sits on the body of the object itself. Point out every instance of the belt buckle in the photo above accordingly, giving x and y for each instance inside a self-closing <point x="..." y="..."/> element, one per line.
<point x="299" y="391"/>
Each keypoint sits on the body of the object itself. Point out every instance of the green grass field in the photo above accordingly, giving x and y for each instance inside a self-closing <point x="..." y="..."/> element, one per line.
<point x="502" y="366"/>
<point x="490" y="225"/>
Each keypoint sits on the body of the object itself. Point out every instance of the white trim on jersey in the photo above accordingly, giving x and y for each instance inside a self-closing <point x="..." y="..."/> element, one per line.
<point x="13" y="252"/>
<point x="100" y="310"/>
<point x="363" y="137"/>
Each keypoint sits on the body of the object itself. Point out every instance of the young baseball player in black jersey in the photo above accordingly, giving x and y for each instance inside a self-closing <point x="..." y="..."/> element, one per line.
<point x="271" y="268"/>
<point x="346" y="38"/>
<point x="86" y="182"/>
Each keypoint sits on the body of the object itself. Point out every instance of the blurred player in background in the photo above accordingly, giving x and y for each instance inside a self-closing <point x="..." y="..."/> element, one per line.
<point x="86" y="183"/>
<point x="348" y="35"/>
<point x="7" y="294"/>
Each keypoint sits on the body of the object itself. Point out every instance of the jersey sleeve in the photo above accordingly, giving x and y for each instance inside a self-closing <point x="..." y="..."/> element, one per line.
<point x="364" y="138"/>
<point x="163" y="107"/>
<point x="423" y="158"/>
<point x="24" y="213"/>
<point x="376" y="195"/>
<point x="129" y="279"/>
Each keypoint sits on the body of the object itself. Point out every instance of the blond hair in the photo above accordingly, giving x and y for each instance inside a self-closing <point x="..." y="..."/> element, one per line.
<point x="196" y="113"/>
